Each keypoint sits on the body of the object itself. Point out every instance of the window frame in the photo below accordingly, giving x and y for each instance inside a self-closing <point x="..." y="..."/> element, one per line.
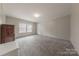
<point x="31" y="29"/>
<point x="22" y="28"/>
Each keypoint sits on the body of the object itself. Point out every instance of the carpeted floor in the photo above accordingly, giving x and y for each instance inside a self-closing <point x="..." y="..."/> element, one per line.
<point x="38" y="45"/>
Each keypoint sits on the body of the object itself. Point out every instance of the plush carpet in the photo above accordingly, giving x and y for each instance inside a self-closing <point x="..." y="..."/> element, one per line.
<point x="38" y="45"/>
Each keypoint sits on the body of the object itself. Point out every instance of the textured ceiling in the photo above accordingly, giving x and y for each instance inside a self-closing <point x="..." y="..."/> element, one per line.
<point x="46" y="10"/>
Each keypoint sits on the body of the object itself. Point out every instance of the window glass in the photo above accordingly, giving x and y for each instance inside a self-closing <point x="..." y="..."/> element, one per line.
<point x="29" y="27"/>
<point x="22" y="28"/>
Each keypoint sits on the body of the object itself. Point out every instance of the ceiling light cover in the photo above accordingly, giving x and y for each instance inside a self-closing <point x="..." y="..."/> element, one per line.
<point x="36" y="15"/>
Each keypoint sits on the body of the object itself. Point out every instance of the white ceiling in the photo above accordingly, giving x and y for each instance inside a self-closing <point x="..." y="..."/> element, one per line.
<point x="26" y="11"/>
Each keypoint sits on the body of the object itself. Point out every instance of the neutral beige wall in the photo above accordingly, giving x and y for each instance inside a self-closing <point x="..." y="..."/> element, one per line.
<point x="59" y="27"/>
<point x="16" y="21"/>
<point x="75" y="26"/>
<point x="2" y="16"/>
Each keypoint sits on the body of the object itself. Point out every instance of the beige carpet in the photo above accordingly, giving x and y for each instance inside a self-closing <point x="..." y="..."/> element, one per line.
<point x="39" y="45"/>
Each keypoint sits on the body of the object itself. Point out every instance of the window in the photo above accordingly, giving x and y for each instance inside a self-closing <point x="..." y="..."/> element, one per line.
<point x="29" y="27"/>
<point x="22" y="28"/>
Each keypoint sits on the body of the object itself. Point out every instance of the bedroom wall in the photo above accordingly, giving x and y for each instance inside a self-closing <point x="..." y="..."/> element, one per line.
<point x="2" y="16"/>
<point x="16" y="21"/>
<point x="75" y="26"/>
<point x="58" y="28"/>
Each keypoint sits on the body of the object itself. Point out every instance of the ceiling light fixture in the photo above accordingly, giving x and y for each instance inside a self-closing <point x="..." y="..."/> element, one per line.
<point x="36" y="15"/>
